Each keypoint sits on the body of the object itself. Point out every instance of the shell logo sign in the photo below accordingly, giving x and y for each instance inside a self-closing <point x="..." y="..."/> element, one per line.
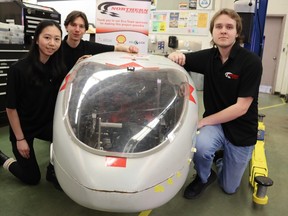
<point x="121" y="39"/>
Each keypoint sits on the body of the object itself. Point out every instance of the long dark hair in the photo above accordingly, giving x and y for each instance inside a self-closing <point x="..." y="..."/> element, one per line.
<point x="55" y="61"/>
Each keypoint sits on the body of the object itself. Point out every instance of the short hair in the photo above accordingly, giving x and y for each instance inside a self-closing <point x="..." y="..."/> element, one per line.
<point x="233" y="15"/>
<point x="75" y="14"/>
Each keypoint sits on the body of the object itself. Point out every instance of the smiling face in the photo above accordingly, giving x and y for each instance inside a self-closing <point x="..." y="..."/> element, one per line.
<point x="224" y="31"/>
<point x="49" y="41"/>
<point x="76" y="29"/>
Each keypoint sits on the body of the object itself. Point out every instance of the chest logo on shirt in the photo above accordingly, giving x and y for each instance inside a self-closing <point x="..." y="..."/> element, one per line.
<point x="230" y="75"/>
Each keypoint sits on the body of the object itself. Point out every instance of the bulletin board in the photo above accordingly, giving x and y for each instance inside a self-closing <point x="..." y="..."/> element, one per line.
<point x="180" y="22"/>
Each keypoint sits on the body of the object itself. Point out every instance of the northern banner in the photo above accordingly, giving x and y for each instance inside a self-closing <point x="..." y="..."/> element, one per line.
<point x="123" y="22"/>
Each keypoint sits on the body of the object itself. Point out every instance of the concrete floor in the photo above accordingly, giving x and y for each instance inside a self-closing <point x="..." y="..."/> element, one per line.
<point x="17" y="199"/>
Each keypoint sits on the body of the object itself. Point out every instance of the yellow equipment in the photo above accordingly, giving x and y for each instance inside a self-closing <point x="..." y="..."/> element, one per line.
<point x="258" y="177"/>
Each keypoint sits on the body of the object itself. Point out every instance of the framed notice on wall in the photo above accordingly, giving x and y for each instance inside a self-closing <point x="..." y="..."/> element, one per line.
<point x="180" y="22"/>
<point x="205" y="4"/>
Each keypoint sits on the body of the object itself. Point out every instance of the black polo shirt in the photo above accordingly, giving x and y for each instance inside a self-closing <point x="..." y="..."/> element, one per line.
<point x="34" y="103"/>
<point x="239" y="76"/>
<point x="71" y="55"/>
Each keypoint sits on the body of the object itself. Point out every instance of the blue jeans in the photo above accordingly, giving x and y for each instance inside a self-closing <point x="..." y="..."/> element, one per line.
<point x="235" y="159"/>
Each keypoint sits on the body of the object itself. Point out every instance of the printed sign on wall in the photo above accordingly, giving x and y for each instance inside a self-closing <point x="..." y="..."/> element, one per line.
<point x="180" y="22"/>
<point x="205" y="5"/>
<point x="123" y="23"/>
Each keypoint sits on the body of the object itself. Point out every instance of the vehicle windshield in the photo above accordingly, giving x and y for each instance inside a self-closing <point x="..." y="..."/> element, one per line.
<point x="118" y="110"/>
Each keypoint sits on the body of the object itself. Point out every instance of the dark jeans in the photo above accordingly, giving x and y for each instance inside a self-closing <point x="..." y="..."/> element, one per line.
<point x="27" y="170"/>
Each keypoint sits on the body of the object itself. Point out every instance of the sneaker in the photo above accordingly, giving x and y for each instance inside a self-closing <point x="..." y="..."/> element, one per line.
<point x="196" y="187"/>
<point x="51" y="177"/>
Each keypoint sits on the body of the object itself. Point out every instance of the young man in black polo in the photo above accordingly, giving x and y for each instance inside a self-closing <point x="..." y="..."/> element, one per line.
<point x="75" y="49"/>
<point x="232" y="76"/>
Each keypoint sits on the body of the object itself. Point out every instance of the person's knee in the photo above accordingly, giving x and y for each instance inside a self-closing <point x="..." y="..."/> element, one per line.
<point x="229" y="190"/>
<point x="32" y="180"/>
<point x="203" y="154"/>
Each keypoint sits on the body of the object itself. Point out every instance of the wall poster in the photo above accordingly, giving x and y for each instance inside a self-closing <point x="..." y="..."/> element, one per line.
<point x="123" y="23"/>
<point x="205" y="5"/>
<point x="180" y="22"/>
<point x="153" y="4"/>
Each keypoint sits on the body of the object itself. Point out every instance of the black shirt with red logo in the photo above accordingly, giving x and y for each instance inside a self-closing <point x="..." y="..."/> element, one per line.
<point x="239" y="76"/>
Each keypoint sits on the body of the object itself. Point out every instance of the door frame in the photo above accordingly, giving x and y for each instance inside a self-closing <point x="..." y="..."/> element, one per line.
<point x="277" y="80"/>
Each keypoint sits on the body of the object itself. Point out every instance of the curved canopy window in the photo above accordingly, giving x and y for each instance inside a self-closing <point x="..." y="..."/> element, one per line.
<point x="119" y="110"/>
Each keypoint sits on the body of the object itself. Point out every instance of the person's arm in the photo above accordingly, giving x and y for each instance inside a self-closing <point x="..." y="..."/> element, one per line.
<point x="124" y="48"/>
<point x="22" y="144"/>
<point x="230" y="113"/>
<point x="82" y="58"/>
<point x="178" y="58"/>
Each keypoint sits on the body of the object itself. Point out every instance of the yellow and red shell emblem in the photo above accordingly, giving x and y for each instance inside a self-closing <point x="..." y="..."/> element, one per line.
<point x="121" y="39"/>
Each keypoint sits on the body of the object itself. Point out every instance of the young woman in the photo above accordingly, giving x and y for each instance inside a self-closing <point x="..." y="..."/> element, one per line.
<point x="32" y="88"/>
